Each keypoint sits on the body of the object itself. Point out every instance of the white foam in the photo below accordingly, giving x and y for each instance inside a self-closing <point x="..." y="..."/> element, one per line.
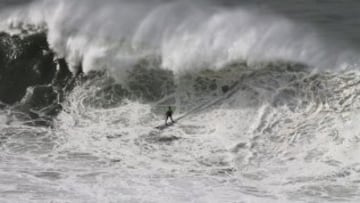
<point x="263" y="147"/>
<point x="187" y="36"/>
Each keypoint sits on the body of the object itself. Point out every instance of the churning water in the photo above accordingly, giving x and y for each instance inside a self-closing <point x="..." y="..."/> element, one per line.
<point x="267" y="96"/>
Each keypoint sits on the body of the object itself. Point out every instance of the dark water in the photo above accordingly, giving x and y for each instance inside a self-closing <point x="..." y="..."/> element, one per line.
<point x="339" y="19"/>
<point x="9" y="3"/>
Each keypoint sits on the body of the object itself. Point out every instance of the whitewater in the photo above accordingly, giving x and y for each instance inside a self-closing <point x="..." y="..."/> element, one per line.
<point x="267" y="102"/>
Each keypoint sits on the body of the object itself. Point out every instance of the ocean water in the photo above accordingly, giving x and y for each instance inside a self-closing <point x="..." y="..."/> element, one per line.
<point x="266" y="97"/>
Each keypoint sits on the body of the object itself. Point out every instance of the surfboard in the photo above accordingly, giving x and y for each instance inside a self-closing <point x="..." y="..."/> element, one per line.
<point x="163" y="126"/>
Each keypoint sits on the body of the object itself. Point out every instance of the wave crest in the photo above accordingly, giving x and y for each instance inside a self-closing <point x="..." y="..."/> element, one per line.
<point x="113" y="35"/>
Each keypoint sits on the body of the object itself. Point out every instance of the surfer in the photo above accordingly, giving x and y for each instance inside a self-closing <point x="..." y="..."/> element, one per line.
<point x="169" y="113"/>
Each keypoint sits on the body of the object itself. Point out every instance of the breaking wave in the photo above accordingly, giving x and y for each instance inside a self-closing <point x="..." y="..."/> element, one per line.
<point x="266" y="108"/>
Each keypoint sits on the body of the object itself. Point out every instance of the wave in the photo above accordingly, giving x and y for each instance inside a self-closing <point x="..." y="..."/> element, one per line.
<point x="253" y="111"/>
<point x="277" y="125"/>
<point x="113" y="35"/>
<point x="148" y="47"/>
<point x="31" y="76"/>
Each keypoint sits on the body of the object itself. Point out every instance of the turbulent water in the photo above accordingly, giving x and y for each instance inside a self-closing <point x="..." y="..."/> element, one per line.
<point x="266" y="95"/>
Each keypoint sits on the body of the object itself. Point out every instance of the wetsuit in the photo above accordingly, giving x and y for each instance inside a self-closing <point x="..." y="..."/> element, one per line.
<point x="169" y="115"/>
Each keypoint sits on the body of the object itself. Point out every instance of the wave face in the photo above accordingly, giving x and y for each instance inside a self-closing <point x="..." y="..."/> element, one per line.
<point x="30" y="75"/>
<point x="267" y="108"/>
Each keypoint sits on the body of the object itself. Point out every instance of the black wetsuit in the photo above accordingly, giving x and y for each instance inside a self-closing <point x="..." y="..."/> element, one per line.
<point x="169" y="115"/>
